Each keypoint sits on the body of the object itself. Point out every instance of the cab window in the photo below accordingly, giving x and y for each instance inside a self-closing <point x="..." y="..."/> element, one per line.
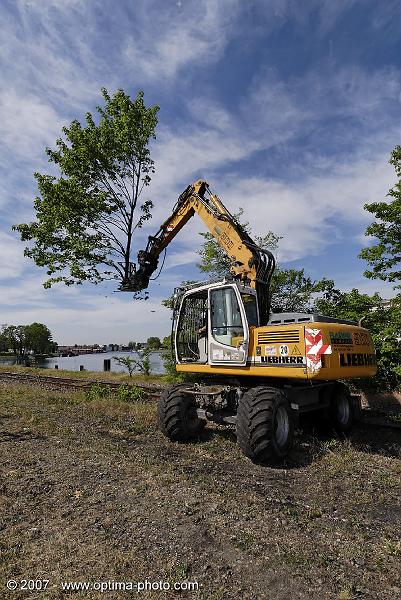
<point x="251" y="310"/>
<point x="226" y="321"/>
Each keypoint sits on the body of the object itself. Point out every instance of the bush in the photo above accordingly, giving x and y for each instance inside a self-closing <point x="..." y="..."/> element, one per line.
<point x="97" y="391"/>
<point x="126" y="361"/>
<point x="130" y="393"/>
<point x="142" y="363"/>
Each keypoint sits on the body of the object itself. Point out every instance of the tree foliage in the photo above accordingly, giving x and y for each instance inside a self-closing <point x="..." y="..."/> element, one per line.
<point x="169" y="363"/>
<point x="36" y="338"/>
<point x="154" y="343"/>
<point x="86" y="218"/>
<point x="293" y="291"/>
<point x="166" y="342"/>
<point x="134" y="345"/>
<point x="382" y="319"/>
<point x="384" y="257"/>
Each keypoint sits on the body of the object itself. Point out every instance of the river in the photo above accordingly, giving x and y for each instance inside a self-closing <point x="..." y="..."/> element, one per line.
<point x="94" y="362"/>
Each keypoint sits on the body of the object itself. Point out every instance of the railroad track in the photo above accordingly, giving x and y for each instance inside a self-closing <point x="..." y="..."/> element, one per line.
<point x="70" y="382"/>
<point x="370" y="417"/>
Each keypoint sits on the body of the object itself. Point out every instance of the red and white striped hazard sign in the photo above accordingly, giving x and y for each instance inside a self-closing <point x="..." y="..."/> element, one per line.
<point x="314" y="348"/>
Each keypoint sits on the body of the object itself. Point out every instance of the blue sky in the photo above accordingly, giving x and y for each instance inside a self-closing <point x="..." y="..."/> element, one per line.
<point x="289" y="109"/>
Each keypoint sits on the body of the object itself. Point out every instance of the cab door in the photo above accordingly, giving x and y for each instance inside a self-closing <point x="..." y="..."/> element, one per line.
<point x="228" y="338"/>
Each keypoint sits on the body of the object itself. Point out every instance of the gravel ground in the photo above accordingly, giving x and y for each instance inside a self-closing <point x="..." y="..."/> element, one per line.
<point x="91" y="491"/>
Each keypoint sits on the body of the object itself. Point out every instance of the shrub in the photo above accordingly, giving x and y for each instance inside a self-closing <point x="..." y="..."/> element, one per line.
<point x="97" y="391"/>
<point x="130" y="393"/>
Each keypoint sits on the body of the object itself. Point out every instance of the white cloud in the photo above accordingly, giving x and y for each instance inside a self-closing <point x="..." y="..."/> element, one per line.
<point x="83" y="314"/>
<point x="46" y="50"/>
<point x="352" y="279"/>
<point x="357" y="100"/>
<point x="330" y="12"/>
<point x="12" y="261"/>
<point x="173" y="36"/>
<point x="101" y="320"/>
<point x="309" y="207"/>
<point x="26" y="124"/>
<point x="178" y="259"/>
<point x="310" y="213"/>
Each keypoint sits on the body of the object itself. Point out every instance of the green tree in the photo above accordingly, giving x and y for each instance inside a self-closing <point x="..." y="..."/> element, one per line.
<point x="292" y="291"/>
<point x="134" y="345"/>
<point x="14" y="337"/>
<point x="169" y="363"/>
<point x="19" y="333"/>
<point x="10" y="337"/>
<point x="22" y="338"/>
<point x="154" y="343"/>
<point x="166" y="342"/>
<point x="4" y="343"/>
<point x="86" y="218"/>
<point x="384" y="257"/>
<point x="38" y="338"/>
<point x="382" y="319"/>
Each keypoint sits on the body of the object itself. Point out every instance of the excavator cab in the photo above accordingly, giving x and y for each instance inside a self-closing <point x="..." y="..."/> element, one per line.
<point x="213" y="324"/>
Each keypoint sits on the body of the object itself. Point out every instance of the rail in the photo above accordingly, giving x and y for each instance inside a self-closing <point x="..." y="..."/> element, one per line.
<point x="70" y="382"/>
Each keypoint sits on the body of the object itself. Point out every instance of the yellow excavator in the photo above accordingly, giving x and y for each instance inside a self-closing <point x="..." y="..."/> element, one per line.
<point x="255" y="370"/>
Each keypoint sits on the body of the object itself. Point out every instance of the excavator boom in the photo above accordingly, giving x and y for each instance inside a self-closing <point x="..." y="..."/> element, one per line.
<point x="250" y="263"/>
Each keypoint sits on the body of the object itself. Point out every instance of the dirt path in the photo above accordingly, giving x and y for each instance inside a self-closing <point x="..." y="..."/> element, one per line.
<point x="91" y="491"/>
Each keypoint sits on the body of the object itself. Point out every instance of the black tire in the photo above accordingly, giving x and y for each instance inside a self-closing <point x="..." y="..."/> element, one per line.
<point x="265" y="427"/>
<point x="342" y="411"/>
<point x="176" y="415"/>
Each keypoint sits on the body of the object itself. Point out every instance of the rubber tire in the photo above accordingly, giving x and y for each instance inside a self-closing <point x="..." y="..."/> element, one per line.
<point x="176" y="415"/>
<point x="256" y="424"/>
<point x="342" y="412"/>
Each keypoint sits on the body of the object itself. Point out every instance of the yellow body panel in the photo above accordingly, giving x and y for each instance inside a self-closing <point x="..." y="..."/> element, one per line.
<point x="319" y="351"/>
<point x="234" y="371"/>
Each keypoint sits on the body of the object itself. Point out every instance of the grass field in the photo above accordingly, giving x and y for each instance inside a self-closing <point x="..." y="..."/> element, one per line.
<point x="91" y="491"/>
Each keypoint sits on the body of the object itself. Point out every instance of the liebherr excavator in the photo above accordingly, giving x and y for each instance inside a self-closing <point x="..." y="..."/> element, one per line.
<point x="255" y="370"/>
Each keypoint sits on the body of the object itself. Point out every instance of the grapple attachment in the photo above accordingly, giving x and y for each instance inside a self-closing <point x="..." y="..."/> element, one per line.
<point x="140" y="275"/>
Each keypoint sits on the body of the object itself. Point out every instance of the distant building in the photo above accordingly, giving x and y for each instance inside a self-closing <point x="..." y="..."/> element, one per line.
<point x="112" y="347"/>
<point x="78" y="349"/>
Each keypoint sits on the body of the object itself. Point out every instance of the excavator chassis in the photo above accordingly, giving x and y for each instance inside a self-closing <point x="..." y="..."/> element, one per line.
<point x="264" y="413"/>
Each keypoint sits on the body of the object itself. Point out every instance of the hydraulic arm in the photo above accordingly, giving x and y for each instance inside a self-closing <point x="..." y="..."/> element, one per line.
<point x="250" y="263"/>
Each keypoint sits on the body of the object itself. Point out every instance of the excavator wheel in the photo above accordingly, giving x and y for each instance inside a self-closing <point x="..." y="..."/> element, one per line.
<point x="265" y="428"/>
<point x="342" y="411"/>
<point x="177" y="417"/>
